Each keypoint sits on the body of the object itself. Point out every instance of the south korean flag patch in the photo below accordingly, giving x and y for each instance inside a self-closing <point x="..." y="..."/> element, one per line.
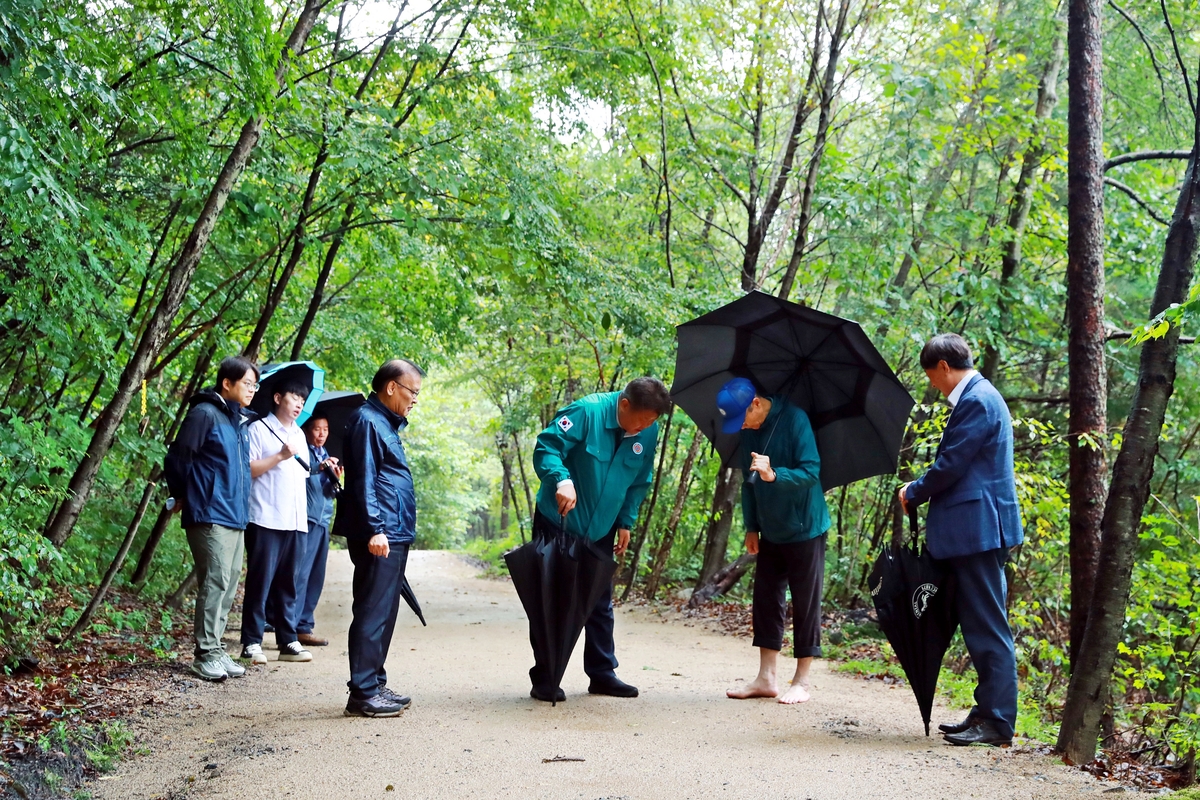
<point x="564" y="424"/>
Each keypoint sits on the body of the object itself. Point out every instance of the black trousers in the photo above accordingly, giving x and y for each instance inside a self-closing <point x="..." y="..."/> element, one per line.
<point x="599" y="647"/>
<point x="376" y="590"/>
<point x="801" y="567"/>
<point x="270" y="573"/>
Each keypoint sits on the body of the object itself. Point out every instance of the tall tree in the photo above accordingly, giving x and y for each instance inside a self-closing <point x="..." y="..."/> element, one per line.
<point x="1087" y="383"/>
<point x="179" y="278"/>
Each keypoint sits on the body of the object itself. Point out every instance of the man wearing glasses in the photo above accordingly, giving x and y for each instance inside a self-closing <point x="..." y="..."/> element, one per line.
<point x="378" y="516"/>
<point x="208" y="472"/>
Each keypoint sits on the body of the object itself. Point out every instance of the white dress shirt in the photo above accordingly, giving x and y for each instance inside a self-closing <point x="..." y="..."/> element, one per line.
<point x="960" y="388"/>
<point x="279" y="497"/>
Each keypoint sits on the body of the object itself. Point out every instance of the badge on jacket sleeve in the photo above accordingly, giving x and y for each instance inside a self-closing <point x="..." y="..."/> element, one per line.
<point x="565" y="424"/>
<point x="637" y="448"/>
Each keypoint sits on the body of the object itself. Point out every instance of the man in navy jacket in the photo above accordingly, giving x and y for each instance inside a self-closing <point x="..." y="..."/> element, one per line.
<point x="208" y="472"/>
<point x="974" y="520"/>
<point x="378" y="516"/>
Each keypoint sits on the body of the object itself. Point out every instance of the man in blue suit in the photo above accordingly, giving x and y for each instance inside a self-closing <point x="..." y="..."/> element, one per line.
<point x="974" y="520"/>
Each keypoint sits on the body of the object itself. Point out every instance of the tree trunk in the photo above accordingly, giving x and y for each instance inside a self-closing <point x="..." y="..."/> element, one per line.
<point x="1130" y="486"/>
<point x="175" y="601"/>
<point x="643" y="528"/>
<point x="723" y="580"/>
<point x="681" y="494"/>
<point x="814" y="162"/>
<point x="716" y="537"/>
<point x="118" y="561"/>
<point x="179" y="278"/>
<point x="1022" y="199"/>
<point x="1086" y="425"/>
<point x="505" y="488"/>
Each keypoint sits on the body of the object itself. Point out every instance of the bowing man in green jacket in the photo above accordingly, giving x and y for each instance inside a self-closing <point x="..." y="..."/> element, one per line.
<point x="595" y="462"/>
<point x="784" y="510"/>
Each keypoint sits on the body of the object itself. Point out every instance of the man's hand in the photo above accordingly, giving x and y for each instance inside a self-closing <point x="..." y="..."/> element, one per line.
<point x="333" y="466"/>
<point x="377" y="545"/>
<point x="622" y="542"/>
<point x="762" y="465"/>
<point x="286" y="453"/>
<point x="566" y="499"/>
<point x="903" y="500"/>
<point x="752" y="542"/>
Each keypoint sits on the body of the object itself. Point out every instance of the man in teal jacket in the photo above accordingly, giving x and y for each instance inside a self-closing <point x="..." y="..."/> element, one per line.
<point x="595" y="462"/>
<point x="784" y="510"/>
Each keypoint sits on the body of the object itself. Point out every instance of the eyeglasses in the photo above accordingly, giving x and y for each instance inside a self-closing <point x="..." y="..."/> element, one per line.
<point x="412" y="391"/>
<point x="253" y="386"/>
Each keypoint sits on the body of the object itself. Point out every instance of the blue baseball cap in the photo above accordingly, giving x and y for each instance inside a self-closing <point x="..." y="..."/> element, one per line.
<point x="732" y="401"/>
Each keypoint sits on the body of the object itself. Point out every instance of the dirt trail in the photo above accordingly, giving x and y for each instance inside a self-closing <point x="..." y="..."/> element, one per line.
<point x="473" y="731"/>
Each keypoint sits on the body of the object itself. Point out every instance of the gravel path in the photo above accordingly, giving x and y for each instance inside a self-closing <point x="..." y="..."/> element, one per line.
<point x="473" y="731"/>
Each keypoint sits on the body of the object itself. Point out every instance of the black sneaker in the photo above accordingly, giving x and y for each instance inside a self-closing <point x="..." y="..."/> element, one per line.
<point x="613" y="687"/>
<point x="377" y="706"/>
<point x="403" y="700"/>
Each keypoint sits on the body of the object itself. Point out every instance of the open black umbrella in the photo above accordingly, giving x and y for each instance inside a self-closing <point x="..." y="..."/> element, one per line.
<point x="824" y="364"/>
<point x="559" y="578"/>
<point x="337" y="408"/>
<point x="914" y="600"/>
<point x="306" y="373"/>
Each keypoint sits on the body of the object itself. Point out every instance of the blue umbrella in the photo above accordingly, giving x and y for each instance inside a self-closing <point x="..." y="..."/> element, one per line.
<point x="304" y="372"/>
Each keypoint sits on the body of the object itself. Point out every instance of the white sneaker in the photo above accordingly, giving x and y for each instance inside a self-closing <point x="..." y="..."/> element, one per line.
<point x="294" y="651"/>
<point x="232" y="668"/>
<point x="210" y="669"/>
<point x="254" y="654"/>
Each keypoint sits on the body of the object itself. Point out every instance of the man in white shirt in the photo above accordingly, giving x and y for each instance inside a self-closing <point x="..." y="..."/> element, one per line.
<point x="278" y="521"/>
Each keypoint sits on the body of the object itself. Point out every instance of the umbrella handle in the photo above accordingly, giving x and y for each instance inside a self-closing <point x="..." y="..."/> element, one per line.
<point x="914" y="526"/>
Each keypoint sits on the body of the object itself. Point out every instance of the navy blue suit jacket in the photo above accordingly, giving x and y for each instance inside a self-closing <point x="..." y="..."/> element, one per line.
<point x="971" y="489"/>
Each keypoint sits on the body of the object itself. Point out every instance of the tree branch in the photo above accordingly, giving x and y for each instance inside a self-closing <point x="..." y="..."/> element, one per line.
<point x="1116" y="184"/>
<point x="1147" y="155"/>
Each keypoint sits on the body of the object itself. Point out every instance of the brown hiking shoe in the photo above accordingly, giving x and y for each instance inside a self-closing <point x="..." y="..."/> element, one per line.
<point x="311" y="640"/>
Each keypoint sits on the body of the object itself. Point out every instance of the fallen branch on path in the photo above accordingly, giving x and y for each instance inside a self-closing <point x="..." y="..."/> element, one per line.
<point x="561" y="758"/>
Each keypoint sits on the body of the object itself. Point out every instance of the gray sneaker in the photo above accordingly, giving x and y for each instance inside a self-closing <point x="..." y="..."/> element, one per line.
<point x="209" y="668"/>
<point x="232" y="668"/>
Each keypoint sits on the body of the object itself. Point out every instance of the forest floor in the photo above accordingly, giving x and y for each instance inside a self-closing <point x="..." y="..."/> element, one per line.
<point x="473" y="731"/>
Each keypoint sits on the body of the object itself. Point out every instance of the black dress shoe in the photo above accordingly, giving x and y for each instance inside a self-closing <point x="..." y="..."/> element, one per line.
<point x="959" y="727"/>
<point x="613" y="687"/>
<point x="982" y="732"/>
<point x="545" y="695"/>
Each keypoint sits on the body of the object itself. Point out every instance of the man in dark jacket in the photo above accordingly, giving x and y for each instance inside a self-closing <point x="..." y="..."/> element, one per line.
<point x="208" y="472"/>
<point x="378" y="516"/>
<point x="974" y="520"/>
<point x="784" y="511"/>
<point x="310" y="568"/>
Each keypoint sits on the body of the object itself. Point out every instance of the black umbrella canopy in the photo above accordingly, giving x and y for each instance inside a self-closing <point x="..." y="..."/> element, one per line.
<point x="914" y="601"/>
<point x="824" y="364"/>
<point x="337" y="408"/>
<point x="410" y="597"/>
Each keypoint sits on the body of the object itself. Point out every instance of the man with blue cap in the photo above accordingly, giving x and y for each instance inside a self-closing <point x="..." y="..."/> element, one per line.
<point x="784" y="511"/>
<point x="595" y="461"/>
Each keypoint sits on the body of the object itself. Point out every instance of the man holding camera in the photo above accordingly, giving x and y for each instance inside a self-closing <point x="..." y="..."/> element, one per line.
<point x="323" y="486"/>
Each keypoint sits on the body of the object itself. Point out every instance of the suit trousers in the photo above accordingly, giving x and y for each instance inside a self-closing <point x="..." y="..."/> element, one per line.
<point x="376" y="590"/>
<point x="270" y="570"/>
<point x="983" y="618"/>
<point x="799" y="566"/>
<point x="599" y="646"/>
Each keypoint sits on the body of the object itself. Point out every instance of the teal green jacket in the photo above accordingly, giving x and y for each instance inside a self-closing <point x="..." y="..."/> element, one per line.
<point x="611" y="471"/>
<point x="792" y="507"/>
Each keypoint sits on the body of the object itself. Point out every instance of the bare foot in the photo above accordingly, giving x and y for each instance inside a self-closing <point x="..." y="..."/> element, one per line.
<point x="759" y="687"/>
<point x="797" y="694"/>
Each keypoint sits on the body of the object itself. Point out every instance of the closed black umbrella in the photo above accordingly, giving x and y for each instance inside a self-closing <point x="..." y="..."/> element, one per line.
<point x="559" y="578"/>
<point x="824" y="364"/>
<point x="914" y="600"/>
<point x="337" y="408"/>
<point x="407" y="593"/>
